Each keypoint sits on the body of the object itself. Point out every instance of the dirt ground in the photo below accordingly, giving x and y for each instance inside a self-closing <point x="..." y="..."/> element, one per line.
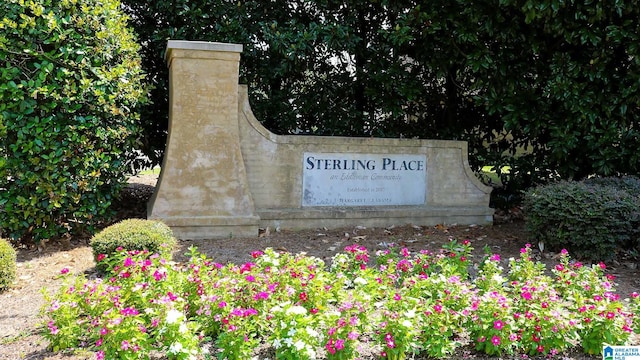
<point x="38" y="268"/>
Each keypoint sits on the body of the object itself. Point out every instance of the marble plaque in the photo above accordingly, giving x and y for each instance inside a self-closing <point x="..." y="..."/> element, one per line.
<point x="348" y="179"/>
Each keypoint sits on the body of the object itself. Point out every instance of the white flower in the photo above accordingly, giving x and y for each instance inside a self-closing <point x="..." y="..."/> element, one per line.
<point x="277" y="344"/>
<point x="360" y="281"/>
<point x="183" y="328"/>
<point x="291" y="332"/>
<point x="311" y="352"/>
<point x="175" y="348"/>
<point x="173" y="316"/>
<point x="497" y="278"/>
<point x="411" y="313"/>
<point x="407" y="324"/>
<point x="299" y="345"/>
<point x="311" y="332"/>
<point x="288" y="342"/>
<point x="297" y="310"/>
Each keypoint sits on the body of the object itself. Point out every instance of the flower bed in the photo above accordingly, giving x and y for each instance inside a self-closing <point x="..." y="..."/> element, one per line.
<point x="408" y="303"/>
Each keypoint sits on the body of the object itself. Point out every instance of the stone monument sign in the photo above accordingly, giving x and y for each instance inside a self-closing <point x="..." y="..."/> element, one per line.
<point x="225" y="175"/>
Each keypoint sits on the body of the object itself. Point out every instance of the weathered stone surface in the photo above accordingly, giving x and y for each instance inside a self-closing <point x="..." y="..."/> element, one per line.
<point x="224" y="174"/>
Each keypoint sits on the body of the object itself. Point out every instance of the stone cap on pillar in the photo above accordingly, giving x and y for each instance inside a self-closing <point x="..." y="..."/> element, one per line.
<point x="200" y="45"/>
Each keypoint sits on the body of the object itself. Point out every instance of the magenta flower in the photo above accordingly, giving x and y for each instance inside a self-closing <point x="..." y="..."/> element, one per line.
<point x="339" y="344"/>
<point x="495" y="257"/>
<point x="129" y="311"/>
<point x="261" y="295"/>
<point x="495" y="340"/>
<point x="128" y="262"/>
<point x="437" y="308"/>
<point x="498" y="325"/>
<point x="64" y="271"/>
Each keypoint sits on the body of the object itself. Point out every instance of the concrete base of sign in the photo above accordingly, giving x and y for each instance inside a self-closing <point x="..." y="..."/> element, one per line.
<point x="225" y="175"/>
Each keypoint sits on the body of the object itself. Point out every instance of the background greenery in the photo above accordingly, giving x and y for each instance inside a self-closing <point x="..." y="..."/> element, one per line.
<point x="70" y="83"/>
<point x="548" y="88"/>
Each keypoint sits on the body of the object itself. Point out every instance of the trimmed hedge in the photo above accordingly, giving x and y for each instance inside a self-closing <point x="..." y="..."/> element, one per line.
<point x="134" y="234"/>
<point x="8" y="266"/>
<point x="592" y="219"/>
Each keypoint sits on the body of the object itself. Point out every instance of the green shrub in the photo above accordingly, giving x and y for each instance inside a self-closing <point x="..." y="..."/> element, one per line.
<point x="134" y="234"/>
<point x="7" y="264"/>
<point x="591" y="219"/>
<point x="70" y="84"/>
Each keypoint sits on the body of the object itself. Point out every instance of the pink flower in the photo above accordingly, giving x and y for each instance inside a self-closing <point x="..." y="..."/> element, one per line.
<point x="564" y="252"/>
<point x="602" y="265"/>
<point x="437" y="308"/>
<point x="330" y="348"/>
<point x="526" y="295"/>
<point x="124" y="345"/>
<point x="99" y="342"/>
<point x="256" y="254"/>
<point x="128" y="262"/>
<point x="560" y="267"/>
<point x="339" y="344"/>
<point x="634" y="294"/>
<point x="52" y="328"/>
<point x="261" y="295"/>
<point x="610" y="315"/>
<point x="101" y="257"/>
<point x="129" y="311"/>
<point x="495" y="340"/>
<point x="498" y="325"/>
<point x="64" y="271"/>
<point x="157" y="275"/>
<point x="495" y="257"/>
<point x="100" y="355"/>
<point x="352" y="335"/>
<point x="390" y="342"/>
<point x="250" y="278"/>
<point x="397" y="297"/>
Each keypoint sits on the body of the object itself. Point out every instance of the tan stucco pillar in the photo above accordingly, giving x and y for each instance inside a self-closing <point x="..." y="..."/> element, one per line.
<point x="202" y="192"/>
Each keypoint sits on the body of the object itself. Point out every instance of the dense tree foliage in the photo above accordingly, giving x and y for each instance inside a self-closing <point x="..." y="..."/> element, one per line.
<point x="70" y="81"/>
<point x="551" y="81"/>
